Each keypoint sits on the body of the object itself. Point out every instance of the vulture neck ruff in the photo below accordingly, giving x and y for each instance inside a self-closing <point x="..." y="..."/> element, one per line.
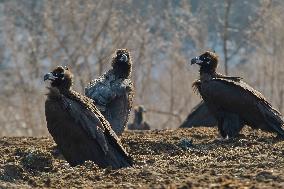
<point x="121" y="69"/>
<point x="63" y="89"/>
<point x="207" y="72"/>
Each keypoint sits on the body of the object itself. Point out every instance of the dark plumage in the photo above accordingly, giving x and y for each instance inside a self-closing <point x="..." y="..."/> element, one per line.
<point x="233" y="102"/>
<point x="199" y="116"/>
<point x="139" y="123"/>
<point x="113" y="91"/>
<point x="78" y="127"/>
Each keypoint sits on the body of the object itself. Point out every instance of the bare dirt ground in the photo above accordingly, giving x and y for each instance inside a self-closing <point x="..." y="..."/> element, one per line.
<point x="183" y="158"/>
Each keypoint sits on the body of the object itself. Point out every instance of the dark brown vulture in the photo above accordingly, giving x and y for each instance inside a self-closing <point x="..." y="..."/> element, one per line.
<point x="78" y="127"/>
<point x="113" y="91"/>
<point x="139" y="123"/>
<point x="233" y="102"/>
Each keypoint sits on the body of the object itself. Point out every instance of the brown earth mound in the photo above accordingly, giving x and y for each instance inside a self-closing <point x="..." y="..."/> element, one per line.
<point x="183" y="158"/>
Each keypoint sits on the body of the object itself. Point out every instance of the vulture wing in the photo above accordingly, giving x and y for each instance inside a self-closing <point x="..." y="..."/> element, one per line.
<point x="114" y="98"/>
<point x="83" y="134"/>
<point x="241" y="99"/>
<point x="118" y="110"/>
<point x="96" y="127"/>
<point x="199" y="116"/>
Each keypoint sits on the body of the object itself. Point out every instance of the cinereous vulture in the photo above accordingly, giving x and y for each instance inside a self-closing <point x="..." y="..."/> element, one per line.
<point x="233" y="102"/>
<point x="113" y="91"/>
<point x="77" y="126"/>
<point x="139" y="123"/>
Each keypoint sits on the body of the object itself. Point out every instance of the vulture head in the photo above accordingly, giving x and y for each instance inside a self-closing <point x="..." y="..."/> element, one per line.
<point x="207" y="61"/>
<point x="140" y="109"/>
<point x="121" y="63"/>
<point x="60" y="77"/>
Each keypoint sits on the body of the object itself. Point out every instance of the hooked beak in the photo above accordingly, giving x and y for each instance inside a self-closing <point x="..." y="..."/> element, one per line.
<point x="196" y="60"/>
<point x="49" y="76"/>
<point x="123" y="58"/>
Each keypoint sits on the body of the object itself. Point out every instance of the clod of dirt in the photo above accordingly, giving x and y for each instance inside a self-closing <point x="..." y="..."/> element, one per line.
<point x="55" y="152"/>
<point x="37" y="160"/>
<point x="185" y="144"/>
<point x="11" y="172"/>
<point x="90" y="165"/>
<point x="254" y="160"/>
<point x="265" y="175"/>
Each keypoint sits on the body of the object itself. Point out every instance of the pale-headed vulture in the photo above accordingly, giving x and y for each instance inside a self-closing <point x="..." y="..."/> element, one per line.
<point x="113" y="91"/>
<point x="77" y="126"/>
<point x="233" y="102"/>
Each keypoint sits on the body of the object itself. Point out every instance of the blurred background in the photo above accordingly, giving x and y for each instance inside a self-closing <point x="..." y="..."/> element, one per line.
<point x="162" y="35"/>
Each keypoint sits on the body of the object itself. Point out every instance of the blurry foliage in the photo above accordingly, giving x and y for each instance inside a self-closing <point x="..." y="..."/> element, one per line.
<point x="162" y="36"/>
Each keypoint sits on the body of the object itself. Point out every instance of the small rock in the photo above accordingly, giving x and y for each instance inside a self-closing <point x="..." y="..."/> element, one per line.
<point x="12" y="172"/>
<point x="185" y="144"/>
<point x="37" y="160"/>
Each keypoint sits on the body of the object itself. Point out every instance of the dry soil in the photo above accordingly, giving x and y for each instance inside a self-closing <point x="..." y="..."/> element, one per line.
<point x="183" y="158"/>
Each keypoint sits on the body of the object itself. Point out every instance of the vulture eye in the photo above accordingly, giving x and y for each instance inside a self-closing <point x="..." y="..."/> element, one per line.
<point x="206" y="59"/>
<point x="58" y="75"/>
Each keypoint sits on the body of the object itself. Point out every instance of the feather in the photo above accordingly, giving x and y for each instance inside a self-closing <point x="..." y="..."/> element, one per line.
<point x="199" y="116"/>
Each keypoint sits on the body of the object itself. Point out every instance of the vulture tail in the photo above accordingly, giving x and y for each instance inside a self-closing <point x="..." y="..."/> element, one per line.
<point x="273" y="120"/>
<point x="121" y="157"/>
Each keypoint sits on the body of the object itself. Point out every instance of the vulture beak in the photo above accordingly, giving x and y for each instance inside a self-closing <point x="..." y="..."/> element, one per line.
<point x="49" y="76"/>
<point x="196" y="60"/>
<point x="123" y="58"/>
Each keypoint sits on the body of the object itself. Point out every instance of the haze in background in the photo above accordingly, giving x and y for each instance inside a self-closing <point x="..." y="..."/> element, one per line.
<point x="37" y="35"/>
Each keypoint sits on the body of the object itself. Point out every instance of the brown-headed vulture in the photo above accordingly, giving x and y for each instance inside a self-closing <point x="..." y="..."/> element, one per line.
<point x="77" y="126"/>
<point x="113" y="91"/>
<point x="139" y="123"/>
<point x="233" y="102"/>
